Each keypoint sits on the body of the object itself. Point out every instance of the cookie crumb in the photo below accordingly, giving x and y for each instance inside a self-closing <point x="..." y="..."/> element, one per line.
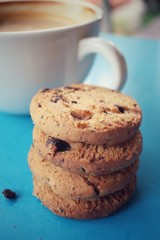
<point x="9" y="194"/>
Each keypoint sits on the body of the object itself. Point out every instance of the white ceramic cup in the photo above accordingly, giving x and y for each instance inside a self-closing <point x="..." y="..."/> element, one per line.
<point x="31" y="59"/>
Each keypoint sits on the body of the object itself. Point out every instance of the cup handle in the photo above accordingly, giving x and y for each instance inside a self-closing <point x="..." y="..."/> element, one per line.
<point x="113" y="56"/>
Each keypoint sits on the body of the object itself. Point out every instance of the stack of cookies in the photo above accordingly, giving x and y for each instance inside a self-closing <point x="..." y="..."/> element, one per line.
<point x="85" y="152"/>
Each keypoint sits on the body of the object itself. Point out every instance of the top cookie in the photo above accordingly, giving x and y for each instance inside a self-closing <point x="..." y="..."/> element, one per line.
<point x="84" y="113"/>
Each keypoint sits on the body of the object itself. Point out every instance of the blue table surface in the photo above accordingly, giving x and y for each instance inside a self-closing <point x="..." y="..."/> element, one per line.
<point x="25" y="218"/>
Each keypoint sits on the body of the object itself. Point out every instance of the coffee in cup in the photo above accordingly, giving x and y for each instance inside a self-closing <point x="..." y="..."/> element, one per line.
<point x="50" y="44"/>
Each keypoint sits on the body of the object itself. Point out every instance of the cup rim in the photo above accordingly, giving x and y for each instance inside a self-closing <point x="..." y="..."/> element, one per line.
<point x="98" y="16"/>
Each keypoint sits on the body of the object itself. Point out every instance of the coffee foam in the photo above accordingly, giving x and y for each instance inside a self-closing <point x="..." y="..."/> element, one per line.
<point x="24" y="16"/>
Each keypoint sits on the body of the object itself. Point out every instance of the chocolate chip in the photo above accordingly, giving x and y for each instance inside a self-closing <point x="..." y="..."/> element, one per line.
<point x="105" y="112"/>
<point x="56" y="98"/>
<point x="9" y="194"/>
<point x="74" y="102"/>
<point x="82" y="170"/>
<point x="121" y="109"/>
<point x="72" y="88"/>
<point x="44" y="90"/>
<point x="61" y="210"/>
<point x="60" y="145"/>
<point x="39" y="105"/>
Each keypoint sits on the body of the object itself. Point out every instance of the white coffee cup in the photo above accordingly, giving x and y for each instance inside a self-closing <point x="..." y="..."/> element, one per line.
<point x="48" y="44"/>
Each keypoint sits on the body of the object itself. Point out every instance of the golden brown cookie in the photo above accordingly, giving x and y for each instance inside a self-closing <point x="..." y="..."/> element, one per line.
<point x="75" y="186"/>
<point x="83" y="113"/>
<point x="82" y="209"/>
<point x="84" y="158"/>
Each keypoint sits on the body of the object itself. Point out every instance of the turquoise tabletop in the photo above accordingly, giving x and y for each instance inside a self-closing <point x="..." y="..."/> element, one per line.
<point x="25" y="218"/>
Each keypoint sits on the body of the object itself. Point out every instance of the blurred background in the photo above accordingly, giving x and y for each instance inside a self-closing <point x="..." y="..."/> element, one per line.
<point x="131" y="17"/>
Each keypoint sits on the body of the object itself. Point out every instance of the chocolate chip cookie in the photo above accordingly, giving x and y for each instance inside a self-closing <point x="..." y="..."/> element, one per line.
<point x="82" y="158"/>
<point x="70" y="185"/>
<point x="84" y="113"/>
<point x="83" y="209"/>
